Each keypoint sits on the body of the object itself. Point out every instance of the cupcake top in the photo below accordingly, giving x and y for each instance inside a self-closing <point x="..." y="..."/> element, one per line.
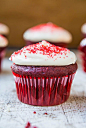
<point x="49" y="32"/>
<point x="4" y="30"/>
<point x="83" y="42"/>
<point x="83" y="28"/>
<point x="43" y="54"/>
<point x="3" y="41"/>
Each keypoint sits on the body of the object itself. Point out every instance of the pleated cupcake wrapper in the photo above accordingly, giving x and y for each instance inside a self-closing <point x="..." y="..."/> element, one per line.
<point x="84" y="61"/>
<point x="84" y="65"/>
<point x="43" y="91"/>
<point x="2" y="54"/>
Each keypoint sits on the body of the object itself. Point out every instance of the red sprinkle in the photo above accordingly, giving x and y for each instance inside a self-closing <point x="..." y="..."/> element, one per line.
<point x="45" y="113"/>
<point x="34" y="112"/>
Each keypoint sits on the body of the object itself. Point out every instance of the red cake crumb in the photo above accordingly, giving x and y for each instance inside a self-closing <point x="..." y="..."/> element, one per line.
<point x="46" y="113"/>
<point x="34" y="112"/>
<point x="29" y="125"/>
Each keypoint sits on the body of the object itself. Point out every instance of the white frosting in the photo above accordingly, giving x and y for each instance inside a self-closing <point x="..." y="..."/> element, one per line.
<point x="83" y="42"/>
<point x="3" y="41"/>
<point x="4" y="29"/>
<point x="38" y="57"/>
<point x="83" y="28"/>
<point x="49" y="32"/>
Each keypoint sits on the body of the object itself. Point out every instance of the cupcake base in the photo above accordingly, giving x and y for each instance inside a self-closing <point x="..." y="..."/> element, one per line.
<point x="60" y="44"/>
<point x="43" y="91"/>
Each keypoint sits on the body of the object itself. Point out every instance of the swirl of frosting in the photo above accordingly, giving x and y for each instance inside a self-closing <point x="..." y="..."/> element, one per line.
<point x="3" y="41"/>
<point x="43" y="54"/>
<point x="4" y="29"/>
<point x="49" y="32"/>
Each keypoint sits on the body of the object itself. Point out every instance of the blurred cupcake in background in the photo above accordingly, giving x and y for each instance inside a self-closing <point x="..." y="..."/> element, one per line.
<point x="3" y="45"/>
<point x="83" y="30"/>
<point x="4" y="30"/>
<point x="50" y="32"/>
<point x="82" y="49"/>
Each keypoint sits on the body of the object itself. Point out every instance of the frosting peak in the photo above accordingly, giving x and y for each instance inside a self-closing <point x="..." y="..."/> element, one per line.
<point x="43" y="54"/>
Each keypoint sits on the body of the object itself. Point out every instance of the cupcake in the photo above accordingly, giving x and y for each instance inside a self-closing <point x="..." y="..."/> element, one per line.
<point x="4" y="30"/>
<point x="43" y="73"/>
<point x="82" y="49"/>
<point x="48" y="31"/>
<point x="3" y="45"/>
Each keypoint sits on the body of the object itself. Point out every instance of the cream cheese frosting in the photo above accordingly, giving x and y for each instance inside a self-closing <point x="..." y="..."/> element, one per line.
<point x="43" y="54"/>
<point x="83" y="42"/>
<point x="49" y="32"/>
<point x="83" y="28"/>
<point x="3" y="41"/>
<point x="4" y="29"/>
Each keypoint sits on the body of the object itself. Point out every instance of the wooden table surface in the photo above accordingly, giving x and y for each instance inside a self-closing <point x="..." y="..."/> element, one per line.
<point x="14" y="114"/>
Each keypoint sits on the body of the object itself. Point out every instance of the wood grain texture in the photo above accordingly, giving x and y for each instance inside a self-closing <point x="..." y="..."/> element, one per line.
<point x="22" y="14"/>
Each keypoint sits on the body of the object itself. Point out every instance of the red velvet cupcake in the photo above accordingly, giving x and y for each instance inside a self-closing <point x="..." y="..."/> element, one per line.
<point x="43" y="73"/>
<point x="3" y="45"/>
<point x="49" y="32"/>
<point x="4" y="30"/>
<point x="82" y="48"/>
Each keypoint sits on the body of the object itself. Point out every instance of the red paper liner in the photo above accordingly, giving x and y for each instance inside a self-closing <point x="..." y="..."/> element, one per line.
<point x="84" y="62"/>
<point x="43" y="91"/>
